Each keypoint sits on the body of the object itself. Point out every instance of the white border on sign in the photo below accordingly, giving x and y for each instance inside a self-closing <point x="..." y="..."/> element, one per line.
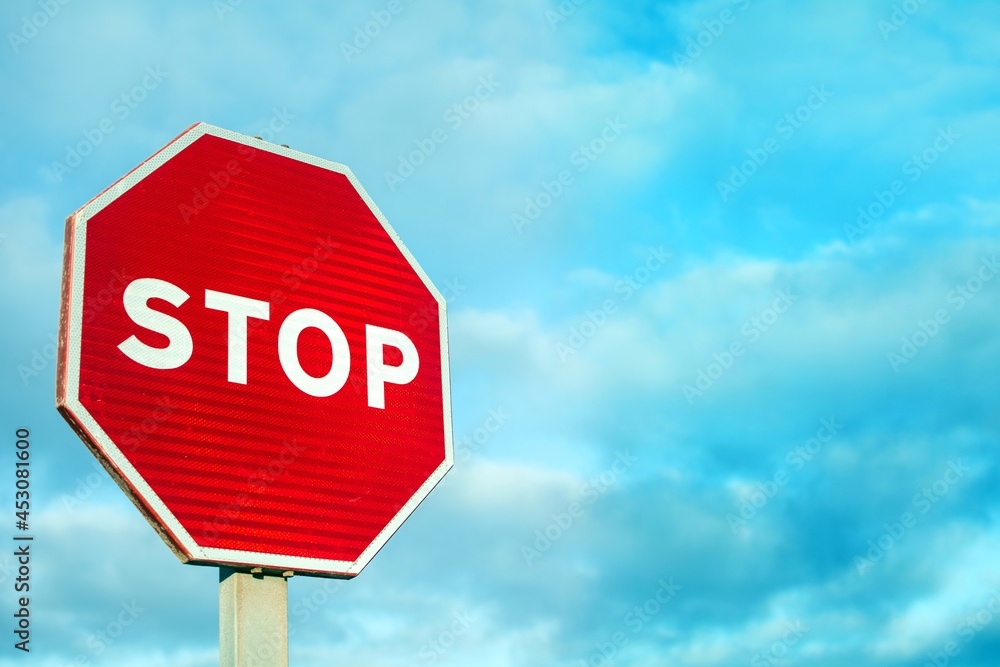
<point x="68" y="383"/>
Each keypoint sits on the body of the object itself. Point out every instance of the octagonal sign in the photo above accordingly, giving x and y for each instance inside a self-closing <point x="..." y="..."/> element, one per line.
<point x="253" y="354"/>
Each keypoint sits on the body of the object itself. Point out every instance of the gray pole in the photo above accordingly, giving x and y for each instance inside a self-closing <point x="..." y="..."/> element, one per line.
<point x="253" y="619"/>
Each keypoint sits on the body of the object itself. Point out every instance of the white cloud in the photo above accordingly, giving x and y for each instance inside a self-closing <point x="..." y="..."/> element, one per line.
<point x="967" y="583"/>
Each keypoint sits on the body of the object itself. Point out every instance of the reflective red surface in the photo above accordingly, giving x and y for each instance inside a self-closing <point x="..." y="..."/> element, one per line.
<point x="261" y="466"/>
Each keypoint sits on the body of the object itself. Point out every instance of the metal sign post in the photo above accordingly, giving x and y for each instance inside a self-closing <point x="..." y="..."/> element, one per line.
<point x="253" y="618"/>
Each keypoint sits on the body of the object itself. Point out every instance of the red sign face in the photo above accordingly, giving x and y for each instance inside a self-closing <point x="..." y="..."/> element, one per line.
<point x="254" y="356"/>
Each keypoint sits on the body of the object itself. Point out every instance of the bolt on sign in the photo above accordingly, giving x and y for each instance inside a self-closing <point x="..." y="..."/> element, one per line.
<point x="239" y="348"/>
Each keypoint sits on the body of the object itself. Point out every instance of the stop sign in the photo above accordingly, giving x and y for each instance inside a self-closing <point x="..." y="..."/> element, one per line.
<point x="254" y="355"/>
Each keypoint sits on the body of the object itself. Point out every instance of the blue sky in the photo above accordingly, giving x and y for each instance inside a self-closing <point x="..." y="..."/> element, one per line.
<point x="774" y="420"/>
